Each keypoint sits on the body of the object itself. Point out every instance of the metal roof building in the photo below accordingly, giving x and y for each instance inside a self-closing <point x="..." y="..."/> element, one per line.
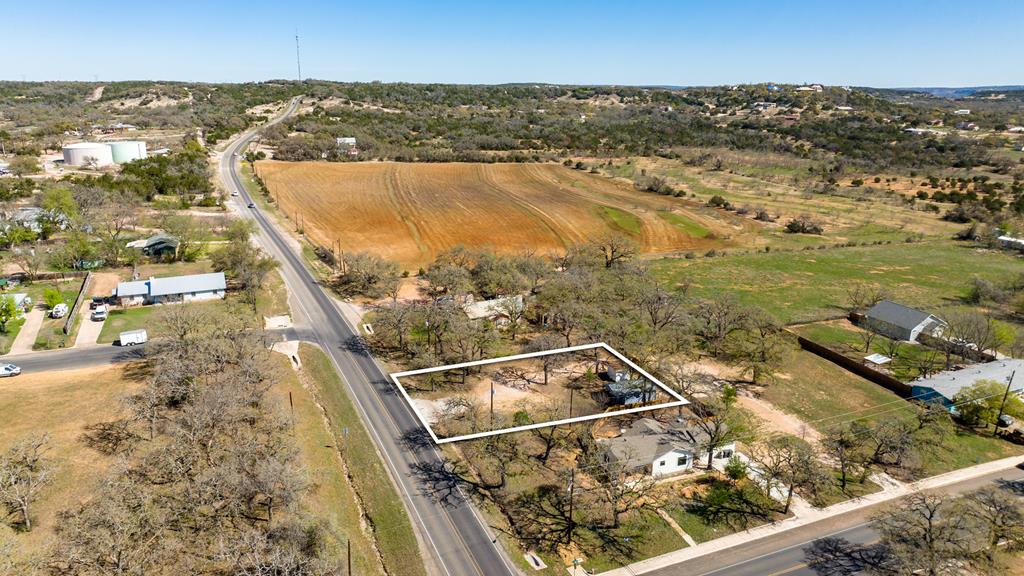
<point x="943" y="387"/>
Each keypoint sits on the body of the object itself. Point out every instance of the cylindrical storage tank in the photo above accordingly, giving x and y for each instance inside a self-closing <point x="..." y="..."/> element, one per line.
<point x="88" y="154"/>
<point x="127" y="150"/>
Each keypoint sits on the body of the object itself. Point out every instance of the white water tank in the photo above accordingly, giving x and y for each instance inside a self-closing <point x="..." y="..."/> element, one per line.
<point x="127" y="150"/>
<point x="88" y="154"/>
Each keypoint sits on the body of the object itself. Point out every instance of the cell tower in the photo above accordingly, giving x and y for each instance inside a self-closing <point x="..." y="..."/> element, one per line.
<point x="298" y="61"/>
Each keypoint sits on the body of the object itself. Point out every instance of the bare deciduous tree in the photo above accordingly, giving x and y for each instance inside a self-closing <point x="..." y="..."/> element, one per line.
<point x="24" y="471"/>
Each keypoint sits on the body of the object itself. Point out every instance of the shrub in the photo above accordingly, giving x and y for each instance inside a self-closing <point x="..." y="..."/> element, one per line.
<point x="803" y="225"/>
<point x="52" y="297"/>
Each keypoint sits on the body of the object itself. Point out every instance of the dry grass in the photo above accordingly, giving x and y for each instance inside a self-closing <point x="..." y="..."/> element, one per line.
<point x="63" y="404"/>
<point x="410" y="212"/>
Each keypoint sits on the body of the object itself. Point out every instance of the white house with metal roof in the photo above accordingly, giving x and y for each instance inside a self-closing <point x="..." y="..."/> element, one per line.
<point x="171" y="290"/>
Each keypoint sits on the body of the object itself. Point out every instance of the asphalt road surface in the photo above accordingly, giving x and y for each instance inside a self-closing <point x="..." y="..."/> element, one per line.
<point x="456" y="537"/>
<point x="74" y="358"/>
<point x="838" y="546"/>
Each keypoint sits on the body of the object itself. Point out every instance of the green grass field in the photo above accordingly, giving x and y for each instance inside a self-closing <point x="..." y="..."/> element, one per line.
<point x="128" y="319"/>
<point x="684" y="224"/>
<point x="823" y="395"/>
<point x="808" y="285"/>
<point x="620" y="220"/>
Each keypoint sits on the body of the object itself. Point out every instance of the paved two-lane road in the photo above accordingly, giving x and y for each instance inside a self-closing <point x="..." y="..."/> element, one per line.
<point x="457" y="540"/>
<point x="790" y="552"/>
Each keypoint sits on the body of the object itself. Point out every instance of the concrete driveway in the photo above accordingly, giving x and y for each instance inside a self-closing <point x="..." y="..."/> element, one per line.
<point x="29" y="330"/>
<point x="89" y="330"/>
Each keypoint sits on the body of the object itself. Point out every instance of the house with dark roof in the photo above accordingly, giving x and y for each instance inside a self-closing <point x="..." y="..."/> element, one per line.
<point x="662" y="449"/>
<point x="171" y="290"/>
<point x="944" y="386"/>
<point x="901" y="322"/>
<point x="630" y="391"/>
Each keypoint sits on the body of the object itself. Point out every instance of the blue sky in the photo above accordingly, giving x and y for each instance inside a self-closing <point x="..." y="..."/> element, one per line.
<point x="868" y="42"/>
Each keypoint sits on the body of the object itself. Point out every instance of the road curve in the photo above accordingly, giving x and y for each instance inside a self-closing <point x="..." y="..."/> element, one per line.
<point x="457" y="540"/>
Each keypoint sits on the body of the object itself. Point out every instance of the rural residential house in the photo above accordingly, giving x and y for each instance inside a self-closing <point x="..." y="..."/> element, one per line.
<point x="629" y="391"/>
<point x="943" y="387"/>
<point x="496" y="310"/>
<point x="156" y="246"/>
<point x="171" y="290"/>
<point x="661" y="449"/>
<point x="901" y="322"/>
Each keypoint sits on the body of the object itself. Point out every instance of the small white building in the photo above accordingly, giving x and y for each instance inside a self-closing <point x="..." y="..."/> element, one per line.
<point x="962" y="112"/>
<point x="496" y="310"/>
<point x="345" y="141"/>
<point x="661" y="449"/>
<point x="174" y="289"/>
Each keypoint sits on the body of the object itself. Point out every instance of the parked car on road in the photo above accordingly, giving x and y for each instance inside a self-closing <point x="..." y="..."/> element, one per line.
<point x="133" y="337"/>
<point x="8" y="370"/>
<point x="99" y="314"/>
<point x="59" y="311"/>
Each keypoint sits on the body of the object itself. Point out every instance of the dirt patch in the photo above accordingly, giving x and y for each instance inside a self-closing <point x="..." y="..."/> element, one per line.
<point x="777" y="420"/>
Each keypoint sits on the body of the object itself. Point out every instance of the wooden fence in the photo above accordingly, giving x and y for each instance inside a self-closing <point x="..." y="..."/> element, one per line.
<point x="884" y="380"/>
<point x="73" y="313"/>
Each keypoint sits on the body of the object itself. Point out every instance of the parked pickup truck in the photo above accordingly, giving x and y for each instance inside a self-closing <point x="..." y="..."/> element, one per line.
<point x="99" y="314"/>
<point x="133" y="337"/>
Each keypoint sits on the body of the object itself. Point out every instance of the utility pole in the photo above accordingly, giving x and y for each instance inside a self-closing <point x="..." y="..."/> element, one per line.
<point x="572" y="488"/>
<point x="298" y="60"/>
<point x="349" y="557"/>
<point x="492" y="404"/>
<point x="1002" y="405"/>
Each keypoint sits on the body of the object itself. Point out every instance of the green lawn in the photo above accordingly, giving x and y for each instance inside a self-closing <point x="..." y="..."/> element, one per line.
<point x="7" y="337"/>
<point x="687" y="226"/>
<point x="383" y="506"/>
<point x="847" y="341"/>
<point x="833" y="494"/>
<point x="122" y="320"/>
<point x="620" y="220"/>
<point x="51" y="334"/>
<point x="823" y="395"/>
<point x="642" y="535"/>
<point x="803" y="286"/>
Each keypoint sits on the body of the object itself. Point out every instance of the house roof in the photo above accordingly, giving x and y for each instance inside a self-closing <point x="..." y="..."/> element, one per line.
<point x="184" y="284"/>
<point x="488" y="308"/>
<point x="948" y="384"/>
<point x="173" y="285"/>
<point x="134" y="288"/>
<point x="648" y="439"/>
<point x="898" y="315"/>
<point x="161" y="239"/>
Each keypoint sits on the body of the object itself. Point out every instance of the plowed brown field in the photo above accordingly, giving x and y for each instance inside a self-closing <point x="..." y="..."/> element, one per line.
<point x="410" y="212"/>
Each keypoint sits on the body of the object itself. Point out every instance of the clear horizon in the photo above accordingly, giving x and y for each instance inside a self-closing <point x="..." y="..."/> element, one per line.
<point x="878" y="44"/>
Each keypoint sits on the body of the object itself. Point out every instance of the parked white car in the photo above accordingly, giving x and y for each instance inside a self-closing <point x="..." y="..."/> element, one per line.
<point x="59" y="311"/>
<point x="8" y="370"/>
<point x="133" y="337"/>
<point x="100" y="313"/>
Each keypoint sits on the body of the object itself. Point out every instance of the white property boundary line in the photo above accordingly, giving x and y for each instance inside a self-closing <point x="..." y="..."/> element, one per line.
<point x="679" y="400"/>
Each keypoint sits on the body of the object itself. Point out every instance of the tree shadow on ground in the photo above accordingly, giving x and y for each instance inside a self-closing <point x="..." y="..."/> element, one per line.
<point x="840" y="557"/>
<point x="442" y="482"/>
